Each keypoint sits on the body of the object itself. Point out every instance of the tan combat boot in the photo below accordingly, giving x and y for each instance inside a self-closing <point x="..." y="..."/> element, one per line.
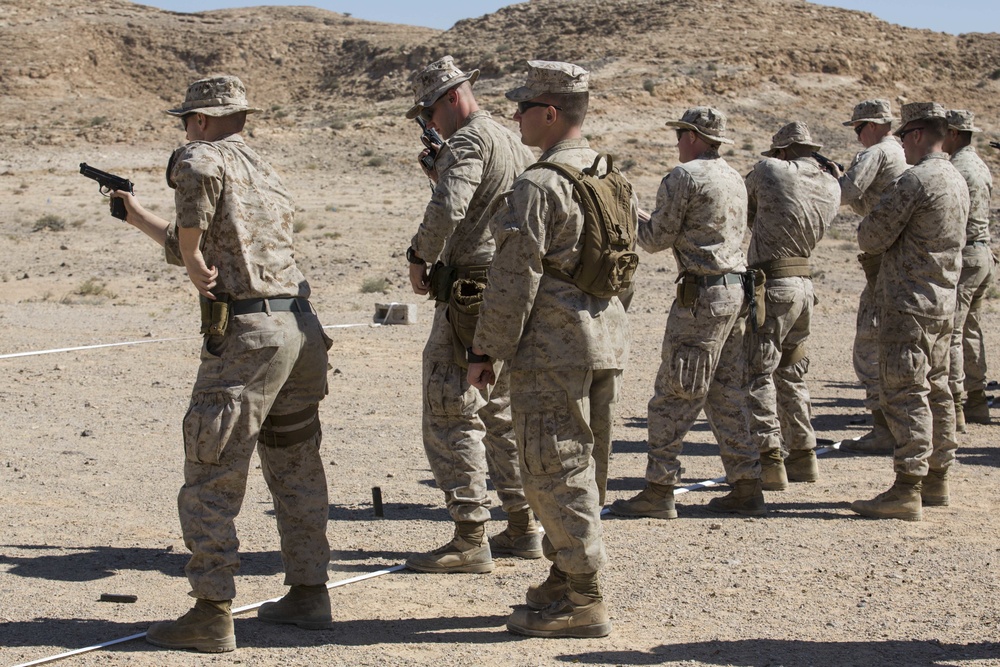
<point x="977" y="408"/>
<point x="655" y="501"/>
<point x="959" y="414"/>
<point x="934" y="489"/>
<point x="901" y="501"/>
<point x="208" y="628"/>
<point x="521" y="538"/>
<point x="467" y="552"/>
<point x="877" y="442"/>
<point x="801" y="466"/>
<point x="746" y="498"/>
<point x="307" y="607"/>
<point x="772" y="471"/>
<point x="540" y="596"/>
<point x="575" y="614"/>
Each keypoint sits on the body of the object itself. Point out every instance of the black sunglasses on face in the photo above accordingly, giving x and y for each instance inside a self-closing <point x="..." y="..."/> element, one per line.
<point x="524" y="106"/>
<point x="859" y="128"/>
<point x="680" y="133"/>
<point x="427" y="113"/>
<point x="902" y="135"/>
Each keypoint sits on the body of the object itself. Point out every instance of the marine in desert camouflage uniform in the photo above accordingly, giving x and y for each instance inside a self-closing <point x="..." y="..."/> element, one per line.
<point x="566" y="350"/>
<point x="792" y="200"/>
<point x="919" y="225"/>
<point x="260" y="380"/>
<point x="701" y="214"/>
<point x="861" y="186"/>
<point x="968" y="347"/>
<point x="466" y="431"/>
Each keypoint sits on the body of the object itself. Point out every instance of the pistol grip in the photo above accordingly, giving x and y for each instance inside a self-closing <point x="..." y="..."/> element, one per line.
<point x="118" y="209"/>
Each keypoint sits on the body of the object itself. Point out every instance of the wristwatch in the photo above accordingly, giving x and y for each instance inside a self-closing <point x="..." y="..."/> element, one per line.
<point x="474" y="358"/>
<point x="412" y="258"/>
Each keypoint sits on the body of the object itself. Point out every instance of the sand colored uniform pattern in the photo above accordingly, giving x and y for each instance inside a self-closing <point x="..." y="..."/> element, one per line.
<point x="701" y="214"/>
<point x="566" y="350"/>
<point x="267" y="364"/>
<point x="968" y="346"/>
<point x="791" y="203"/>
<point x="918" y="225"/>
<point x="465" y="431"/>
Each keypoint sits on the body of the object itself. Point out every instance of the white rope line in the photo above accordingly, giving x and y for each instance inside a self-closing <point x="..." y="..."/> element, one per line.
<point x="145" y="342"/>
<point x="238" y="610"/>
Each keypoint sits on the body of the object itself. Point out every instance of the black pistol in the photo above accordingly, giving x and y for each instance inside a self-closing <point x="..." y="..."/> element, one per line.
<point x="429" y="138"/>
<point x="825" y="162"/>
<point x="995" y="144"/>
<point x="109" y="182"/>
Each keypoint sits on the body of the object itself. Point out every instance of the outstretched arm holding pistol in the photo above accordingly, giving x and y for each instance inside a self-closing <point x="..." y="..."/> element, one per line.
<point x="126" y="206"/>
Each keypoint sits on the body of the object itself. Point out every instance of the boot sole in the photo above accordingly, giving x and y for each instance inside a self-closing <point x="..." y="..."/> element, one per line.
<point x="477" y="568"/>
<point x="582" y="632"/>
<point x="653" y="514"/>
<point x="526" y="555"/>
<point x="305" y="625"/>
<point x="202" y="646"/>
<point x="911" y="516"/>
<point x="743" y="512"/>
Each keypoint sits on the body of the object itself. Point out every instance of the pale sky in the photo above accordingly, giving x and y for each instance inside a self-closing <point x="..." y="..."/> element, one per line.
<point x="954" y="16"/>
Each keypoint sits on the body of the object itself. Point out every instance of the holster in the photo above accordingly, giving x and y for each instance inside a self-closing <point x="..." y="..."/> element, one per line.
<point x="687" y="293"/>
<point x="754" y="291"/>
<point x="463" y="314"/>
<point x="214" y="315"/>
<point x="441" y="278"/>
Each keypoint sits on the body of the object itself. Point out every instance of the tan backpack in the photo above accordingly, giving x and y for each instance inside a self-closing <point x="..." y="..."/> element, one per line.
<point x="608" y="259"/>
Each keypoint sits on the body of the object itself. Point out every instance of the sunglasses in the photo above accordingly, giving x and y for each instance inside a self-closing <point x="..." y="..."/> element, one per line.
<point x="902" y="135"/>
<point x="680" y="132"/>
<point x="859" y="128"/>
<point x="524" y="106"/>
<point x="427" y="113"/>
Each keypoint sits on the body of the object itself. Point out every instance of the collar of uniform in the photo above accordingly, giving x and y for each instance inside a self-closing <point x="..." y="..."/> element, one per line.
<point x="889" y="138"/>
<point x="565" y="145"/>
<point x="965" y="149"/>
<point x="936" y="155"/>
<point x="482" y="113"/>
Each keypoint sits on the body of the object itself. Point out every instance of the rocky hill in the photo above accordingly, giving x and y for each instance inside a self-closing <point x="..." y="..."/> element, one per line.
<point x="102" y="70"/>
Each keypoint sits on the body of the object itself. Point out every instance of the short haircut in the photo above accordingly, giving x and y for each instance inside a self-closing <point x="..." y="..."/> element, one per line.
<point x="937" y="128"/>
<point x="574" y="105"/>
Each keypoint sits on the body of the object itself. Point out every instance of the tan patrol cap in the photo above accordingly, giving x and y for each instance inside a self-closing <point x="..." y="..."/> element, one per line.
<point x="220" y="95"/>
<point x="961" y="120"/>
<point x="920" y="111"/>
<point x="547" y="76"/>
<point x="795" y="132"/>
<point x="708" y="122"/>
<point x="871" y="111"/>
<point x="434" y="81"/>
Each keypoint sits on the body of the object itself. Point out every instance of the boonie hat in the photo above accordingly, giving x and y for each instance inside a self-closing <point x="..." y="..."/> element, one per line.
<point x="708" y="122"/>
<point x="434" y="81"/>
<point x="871" y="111"/>
<point x="794" y="133"/>
<point x="547" y="76"/>
<point x="220" y="95"/>
<point x="920" y="111"/>
<point x="961" y="120"/>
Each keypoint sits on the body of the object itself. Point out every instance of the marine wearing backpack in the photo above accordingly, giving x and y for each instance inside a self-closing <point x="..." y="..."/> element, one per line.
<point x="608" y="260"/>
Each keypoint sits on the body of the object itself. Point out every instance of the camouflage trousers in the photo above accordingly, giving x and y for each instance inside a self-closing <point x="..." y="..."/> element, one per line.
<point x="703" y="365"/>
<point x="918" y="406"/>
<point x="467" y="432"/>
<point x="780" y="411"/>
<point x="967" y="370"/>
<point x="266" y="365"/>
<point x="563" y="424"/>
<point x="866" y="347"/>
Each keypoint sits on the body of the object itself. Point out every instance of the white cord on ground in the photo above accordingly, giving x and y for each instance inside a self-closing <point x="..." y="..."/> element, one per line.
<point x="238" y="610"/>
<point x="143" y="342"/>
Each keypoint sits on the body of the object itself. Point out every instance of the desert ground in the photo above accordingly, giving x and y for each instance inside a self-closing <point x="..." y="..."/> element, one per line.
<point x="92" y="455"/>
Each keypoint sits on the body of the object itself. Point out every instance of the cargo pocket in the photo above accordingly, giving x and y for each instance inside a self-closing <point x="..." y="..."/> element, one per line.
<point x="539" y="418"/>
<point x="903" y="365"/>
<point x="210" y="422"/>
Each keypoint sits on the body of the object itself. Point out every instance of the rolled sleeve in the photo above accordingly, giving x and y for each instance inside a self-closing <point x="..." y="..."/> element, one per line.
<point x="665" y="222"/>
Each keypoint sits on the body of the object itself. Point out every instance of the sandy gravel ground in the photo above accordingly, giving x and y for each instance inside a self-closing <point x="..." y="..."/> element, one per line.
<point x="92" y="454"/>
